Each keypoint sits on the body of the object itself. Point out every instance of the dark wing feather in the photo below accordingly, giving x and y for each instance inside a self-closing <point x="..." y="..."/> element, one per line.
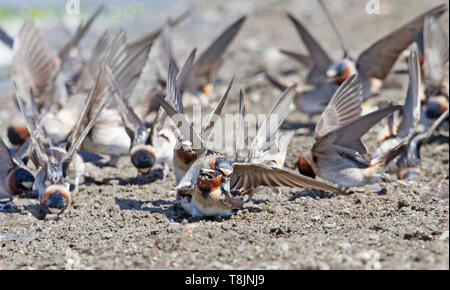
<point x="276" y="81"/>
<point x="6" y="39"/>
<point x="32" y="66"/>
<point x="128" y="71"/>
<point x="150" y="37"/>
<point x="249" y="176"/>
<point x="306" y="60"/>
<point x="35" y="136"/>
<point x="241" y="150"/>
<point x="344" y="107"/>
<point x="186" y="69"/>
<point x="173" y="90"/>
<point x="75" y="146"/>
<point x="335" y="28"/>
<point x="349" y="135"/>
<point x="377" y="60"/>
<point x="81" y="31"/>
<point x="130" y="120"/>
<point x="411" y="108"/>
<point x="209" y="58"/>
<point x="321" y="59"/>
<point x="209" y="124"/>
<point x="266" y="135"/>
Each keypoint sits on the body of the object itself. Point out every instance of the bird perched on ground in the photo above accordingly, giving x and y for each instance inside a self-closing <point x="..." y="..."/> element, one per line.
<point x="57" y="161"/>
<point x="108" y="136"/>
<point x="14" y="175"/>
<point x="148" y="146"/>
<point x="207" y="184"/>
<point x="338" y="154"/>
<point x="185" y="155"/>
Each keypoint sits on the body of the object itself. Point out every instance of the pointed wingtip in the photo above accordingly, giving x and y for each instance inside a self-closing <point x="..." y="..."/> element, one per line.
<point x="242" y="19"/>
<point x="292" y="18"/>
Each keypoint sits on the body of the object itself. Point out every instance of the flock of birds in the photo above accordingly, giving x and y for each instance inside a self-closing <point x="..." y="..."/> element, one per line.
<point x="69" y="113"/>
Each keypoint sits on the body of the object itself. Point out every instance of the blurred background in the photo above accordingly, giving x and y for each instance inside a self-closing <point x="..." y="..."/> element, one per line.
<point x="253" y="51"/>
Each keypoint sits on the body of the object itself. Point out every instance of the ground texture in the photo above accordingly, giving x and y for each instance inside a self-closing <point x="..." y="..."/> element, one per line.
<point x="114" y="224"/>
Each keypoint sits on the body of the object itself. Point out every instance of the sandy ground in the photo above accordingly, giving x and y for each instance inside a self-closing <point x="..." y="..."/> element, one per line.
<point x="114" y="224"/>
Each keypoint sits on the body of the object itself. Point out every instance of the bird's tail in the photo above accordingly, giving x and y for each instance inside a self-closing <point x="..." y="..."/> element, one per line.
<point x="383" y="160"/>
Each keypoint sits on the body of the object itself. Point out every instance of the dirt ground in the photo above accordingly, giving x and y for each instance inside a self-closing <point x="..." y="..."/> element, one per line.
<point x="114" y="224"/>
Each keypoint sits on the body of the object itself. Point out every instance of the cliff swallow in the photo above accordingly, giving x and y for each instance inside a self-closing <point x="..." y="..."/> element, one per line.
<point x="372" y="65"/>
<point x="17" y="131"/>
<point x="185" y="155"/>
<point x="261" y="164"/>
<point x="338" y="154"/>
<point x="148" y="147"/>
<point x="210" y="198"/>
<point x="398" y="132"/>
<point x="192" y="144"/>
<point x="205" y="68"/>
<point x="14" y="175"/>
<point x="311" y="101"/>
<point x="260" y="168"/>
<point x="108" y="135"/>
<point x="53" y="160"/>
<point x="35" y="66"/>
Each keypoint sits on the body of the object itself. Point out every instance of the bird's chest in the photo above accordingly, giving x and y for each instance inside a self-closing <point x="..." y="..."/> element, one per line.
<point x="209" y="202"/>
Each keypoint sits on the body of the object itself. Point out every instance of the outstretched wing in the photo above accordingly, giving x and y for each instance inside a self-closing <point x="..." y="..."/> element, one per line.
<point x="248" y="176"/>
<point x="267" y="135"/>
<point x="344" y="107"/>
<point x="377" y="60"/>
<point x="33" y="67"/>
<point x="349" y="135"/>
